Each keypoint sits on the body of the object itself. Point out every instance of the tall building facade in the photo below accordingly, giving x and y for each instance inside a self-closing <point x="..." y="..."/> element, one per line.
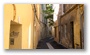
<point x="44" y="28"/>
<point x="70" y="26"/>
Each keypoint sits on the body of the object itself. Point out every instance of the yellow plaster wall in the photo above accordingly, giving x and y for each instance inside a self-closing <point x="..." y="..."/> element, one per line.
<point x="8" y="16"/>
<point x="25" y="17"/>
<point x="24" y="11"/>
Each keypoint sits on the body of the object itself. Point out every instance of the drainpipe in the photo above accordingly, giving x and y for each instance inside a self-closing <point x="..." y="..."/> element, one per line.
<point x="33" y="24"/>
<point x="14" y="16"/>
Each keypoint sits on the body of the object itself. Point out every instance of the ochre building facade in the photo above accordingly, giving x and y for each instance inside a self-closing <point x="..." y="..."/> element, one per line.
<point x="69" y="27"/>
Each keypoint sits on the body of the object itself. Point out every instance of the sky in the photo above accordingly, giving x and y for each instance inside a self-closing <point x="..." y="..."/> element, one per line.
<point x="56" y="9"/>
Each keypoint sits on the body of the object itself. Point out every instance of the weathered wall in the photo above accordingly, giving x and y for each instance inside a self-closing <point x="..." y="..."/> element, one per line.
<point x="67" y="7"/>
<point x="70" y="41"/>
<point x="56" y="37"/>
<point x="70" y="17"/>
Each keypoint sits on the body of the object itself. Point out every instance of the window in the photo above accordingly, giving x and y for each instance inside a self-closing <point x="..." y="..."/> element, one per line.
<point x="61" y="29"/>
<point x="11" y="41"/>
<point x="64" y="8"/>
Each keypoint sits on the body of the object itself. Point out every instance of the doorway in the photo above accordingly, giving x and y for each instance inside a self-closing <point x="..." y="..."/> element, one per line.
<point x="72" y="33"/>
<point x="82" y="31"/>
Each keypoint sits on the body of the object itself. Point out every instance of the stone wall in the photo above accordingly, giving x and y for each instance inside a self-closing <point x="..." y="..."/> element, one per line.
<point x="69" y="26"/>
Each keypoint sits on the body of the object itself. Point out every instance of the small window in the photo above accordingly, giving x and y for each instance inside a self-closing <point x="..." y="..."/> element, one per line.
<point x="11" y="41"/>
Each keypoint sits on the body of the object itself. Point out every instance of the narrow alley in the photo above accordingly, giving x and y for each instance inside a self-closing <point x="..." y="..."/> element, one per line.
<point x="44" y="26"/>
<point x="49" y="43"/>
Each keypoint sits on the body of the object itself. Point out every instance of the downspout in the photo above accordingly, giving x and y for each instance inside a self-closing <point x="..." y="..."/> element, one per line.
<point x="14" y="8"/>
